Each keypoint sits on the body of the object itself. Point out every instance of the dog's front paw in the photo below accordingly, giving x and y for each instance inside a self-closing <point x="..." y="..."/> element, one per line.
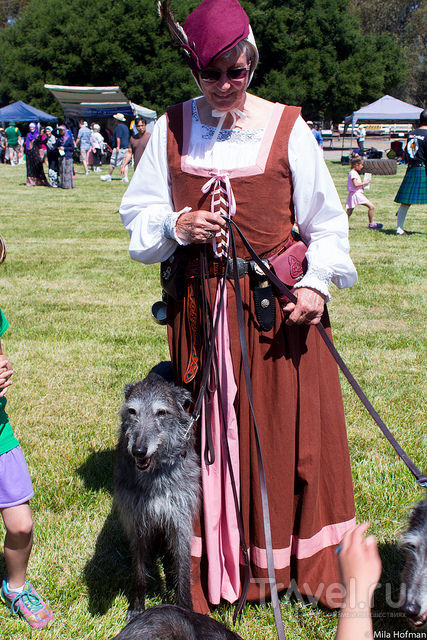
<point x="132" y="613"/>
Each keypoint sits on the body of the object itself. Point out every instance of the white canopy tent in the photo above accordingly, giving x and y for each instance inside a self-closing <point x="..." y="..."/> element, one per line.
<point x="386" y="109"/>
<point x="148" y="114"/>
<point x="98" y="102"/>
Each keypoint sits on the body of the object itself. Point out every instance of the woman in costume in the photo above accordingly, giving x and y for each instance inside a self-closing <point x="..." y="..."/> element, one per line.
<point x="65" y="146"/>
<point x="413" y="189"/>
<point x="52" y="157"/>
<point x="35" y="173"/>
<point x="231" y="154"/>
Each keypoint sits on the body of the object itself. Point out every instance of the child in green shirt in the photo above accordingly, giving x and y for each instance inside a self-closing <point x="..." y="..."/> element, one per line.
<point x="15" y="492"/>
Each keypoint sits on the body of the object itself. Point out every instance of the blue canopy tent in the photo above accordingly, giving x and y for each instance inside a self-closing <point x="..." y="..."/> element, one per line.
<point x="22" y="112"/>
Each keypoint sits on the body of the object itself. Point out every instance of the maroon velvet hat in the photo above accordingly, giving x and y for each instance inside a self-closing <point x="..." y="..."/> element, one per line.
<point x="216" y="26"/>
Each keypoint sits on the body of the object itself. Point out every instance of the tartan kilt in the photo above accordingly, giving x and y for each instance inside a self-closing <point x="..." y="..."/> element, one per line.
<point x="413" y="189"/>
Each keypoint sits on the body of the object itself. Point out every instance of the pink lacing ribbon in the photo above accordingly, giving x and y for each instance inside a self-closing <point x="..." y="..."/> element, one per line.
<point x="223" y="203"/>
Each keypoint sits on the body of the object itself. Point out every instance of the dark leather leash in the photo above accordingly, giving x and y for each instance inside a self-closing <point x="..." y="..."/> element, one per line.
<point x="261" y="470"/>
<point x="420" y="477"/>
<point x="209" y="453"/>
<point x="204" y="392"/>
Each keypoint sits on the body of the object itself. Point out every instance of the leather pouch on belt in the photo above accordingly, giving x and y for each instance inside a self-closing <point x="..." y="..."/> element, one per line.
<point x="172" y="273"/>
<point x="265" y="307"/>
<point x="289" y="267"/>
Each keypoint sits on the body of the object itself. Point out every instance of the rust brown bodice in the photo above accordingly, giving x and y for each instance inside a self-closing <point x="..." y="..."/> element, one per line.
<point x="263" y="198"/>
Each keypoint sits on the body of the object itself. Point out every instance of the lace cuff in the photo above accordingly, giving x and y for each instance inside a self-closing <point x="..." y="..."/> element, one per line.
<point x="169" y="225"/>
<point x="318" y="278"/>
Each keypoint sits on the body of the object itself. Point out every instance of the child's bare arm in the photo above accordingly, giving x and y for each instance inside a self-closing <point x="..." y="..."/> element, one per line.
<point x="360" y="183"/>
<point x="360" y="566"/>
<point x="6" y="372"/>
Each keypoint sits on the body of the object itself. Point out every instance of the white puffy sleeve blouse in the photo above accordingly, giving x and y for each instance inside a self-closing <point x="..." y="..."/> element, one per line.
<point x="148" y="215"/>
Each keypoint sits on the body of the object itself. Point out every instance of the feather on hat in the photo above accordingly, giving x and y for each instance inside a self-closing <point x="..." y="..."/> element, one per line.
<point x="213" y="28"/>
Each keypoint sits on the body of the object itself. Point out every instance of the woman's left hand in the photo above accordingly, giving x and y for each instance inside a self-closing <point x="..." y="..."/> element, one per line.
<point x="308" y="309"/>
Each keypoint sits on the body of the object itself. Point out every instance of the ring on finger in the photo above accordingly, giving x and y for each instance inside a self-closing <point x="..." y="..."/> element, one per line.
<point x="210" y="234"/>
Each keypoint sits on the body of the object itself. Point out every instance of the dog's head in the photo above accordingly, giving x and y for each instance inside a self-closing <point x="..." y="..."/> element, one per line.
<point x="414" y="575"/>
<point x="155" y="423"/>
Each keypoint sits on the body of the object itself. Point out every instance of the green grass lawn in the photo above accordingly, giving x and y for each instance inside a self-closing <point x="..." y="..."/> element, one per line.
<point x="81" y="329"/>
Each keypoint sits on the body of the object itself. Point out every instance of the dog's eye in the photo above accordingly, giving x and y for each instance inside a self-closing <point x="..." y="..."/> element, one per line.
<point x="132" y="411"/>
<point x="161" y="412"/>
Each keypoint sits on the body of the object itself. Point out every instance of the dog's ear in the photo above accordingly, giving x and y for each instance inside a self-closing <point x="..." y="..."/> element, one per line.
<point x="128" y="390"/>
<point x="183" y="397"/>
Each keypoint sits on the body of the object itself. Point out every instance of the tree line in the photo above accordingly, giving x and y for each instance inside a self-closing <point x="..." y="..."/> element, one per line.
<point x="313" y="53"/>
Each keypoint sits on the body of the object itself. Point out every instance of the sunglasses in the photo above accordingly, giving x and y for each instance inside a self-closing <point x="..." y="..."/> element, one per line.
<point x="213" y="75"/>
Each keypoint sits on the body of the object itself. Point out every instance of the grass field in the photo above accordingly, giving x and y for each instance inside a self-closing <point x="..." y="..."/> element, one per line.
<point x="81" y="328"/>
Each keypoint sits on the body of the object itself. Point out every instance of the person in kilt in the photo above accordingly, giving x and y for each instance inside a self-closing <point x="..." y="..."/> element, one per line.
<point x="413" y="189"/>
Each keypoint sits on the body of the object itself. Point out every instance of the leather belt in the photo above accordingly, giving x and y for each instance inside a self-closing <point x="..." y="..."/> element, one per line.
<point x="216" y="268"/>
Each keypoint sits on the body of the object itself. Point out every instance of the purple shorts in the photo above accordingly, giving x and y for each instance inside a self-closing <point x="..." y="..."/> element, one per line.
<point x="15" y="481"/>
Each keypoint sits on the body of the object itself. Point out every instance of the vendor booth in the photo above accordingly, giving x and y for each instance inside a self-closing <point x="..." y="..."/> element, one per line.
<point x="96" y="103"/>
<point x="386" y="109"/>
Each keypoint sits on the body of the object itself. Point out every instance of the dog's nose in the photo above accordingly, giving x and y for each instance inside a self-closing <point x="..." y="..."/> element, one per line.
<point x="139" y="452"/>
<point x="411" y="609"/>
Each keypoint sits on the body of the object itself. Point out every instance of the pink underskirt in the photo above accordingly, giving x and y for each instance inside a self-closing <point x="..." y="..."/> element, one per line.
<point x="222" y="543"/>
<point x="220" y="519"/>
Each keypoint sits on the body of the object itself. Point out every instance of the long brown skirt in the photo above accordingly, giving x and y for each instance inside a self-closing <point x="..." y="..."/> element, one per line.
<point x="300" y="418"/>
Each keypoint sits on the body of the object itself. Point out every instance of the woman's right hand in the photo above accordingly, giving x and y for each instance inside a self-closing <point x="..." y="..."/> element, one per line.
<point x="197" y="227"/>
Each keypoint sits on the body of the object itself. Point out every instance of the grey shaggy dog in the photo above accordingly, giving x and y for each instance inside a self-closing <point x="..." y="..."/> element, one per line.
<point x="168" y="622"/>
<point x="157" y="482"/>
<point x="414" y="576"/>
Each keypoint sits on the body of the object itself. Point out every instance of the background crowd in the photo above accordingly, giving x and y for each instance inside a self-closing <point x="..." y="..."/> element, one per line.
<point x="52" y="150"/>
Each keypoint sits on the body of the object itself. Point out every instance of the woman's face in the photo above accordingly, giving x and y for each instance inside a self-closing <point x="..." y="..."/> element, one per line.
<point x="226" y="94"/>
<point x="32" y="127"/>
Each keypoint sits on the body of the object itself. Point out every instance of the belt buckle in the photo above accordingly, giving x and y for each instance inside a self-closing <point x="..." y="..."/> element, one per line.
<point x="242" y="267"/>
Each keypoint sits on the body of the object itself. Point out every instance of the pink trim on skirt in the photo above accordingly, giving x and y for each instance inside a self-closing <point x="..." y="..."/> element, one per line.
<point x="330" y="535"/>
<point x="220" y="519"/>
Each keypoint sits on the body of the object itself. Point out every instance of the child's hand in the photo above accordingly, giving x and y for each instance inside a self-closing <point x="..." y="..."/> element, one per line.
<point x="6" y="372"/>
<point x="360" y="565"/>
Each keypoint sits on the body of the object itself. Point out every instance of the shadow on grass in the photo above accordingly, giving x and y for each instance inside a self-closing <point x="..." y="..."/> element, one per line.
<point x="3" y="568"/>
<point x="97" y="471"/>
<point x="392" y="232"/>
<point x="108" y="572"/>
